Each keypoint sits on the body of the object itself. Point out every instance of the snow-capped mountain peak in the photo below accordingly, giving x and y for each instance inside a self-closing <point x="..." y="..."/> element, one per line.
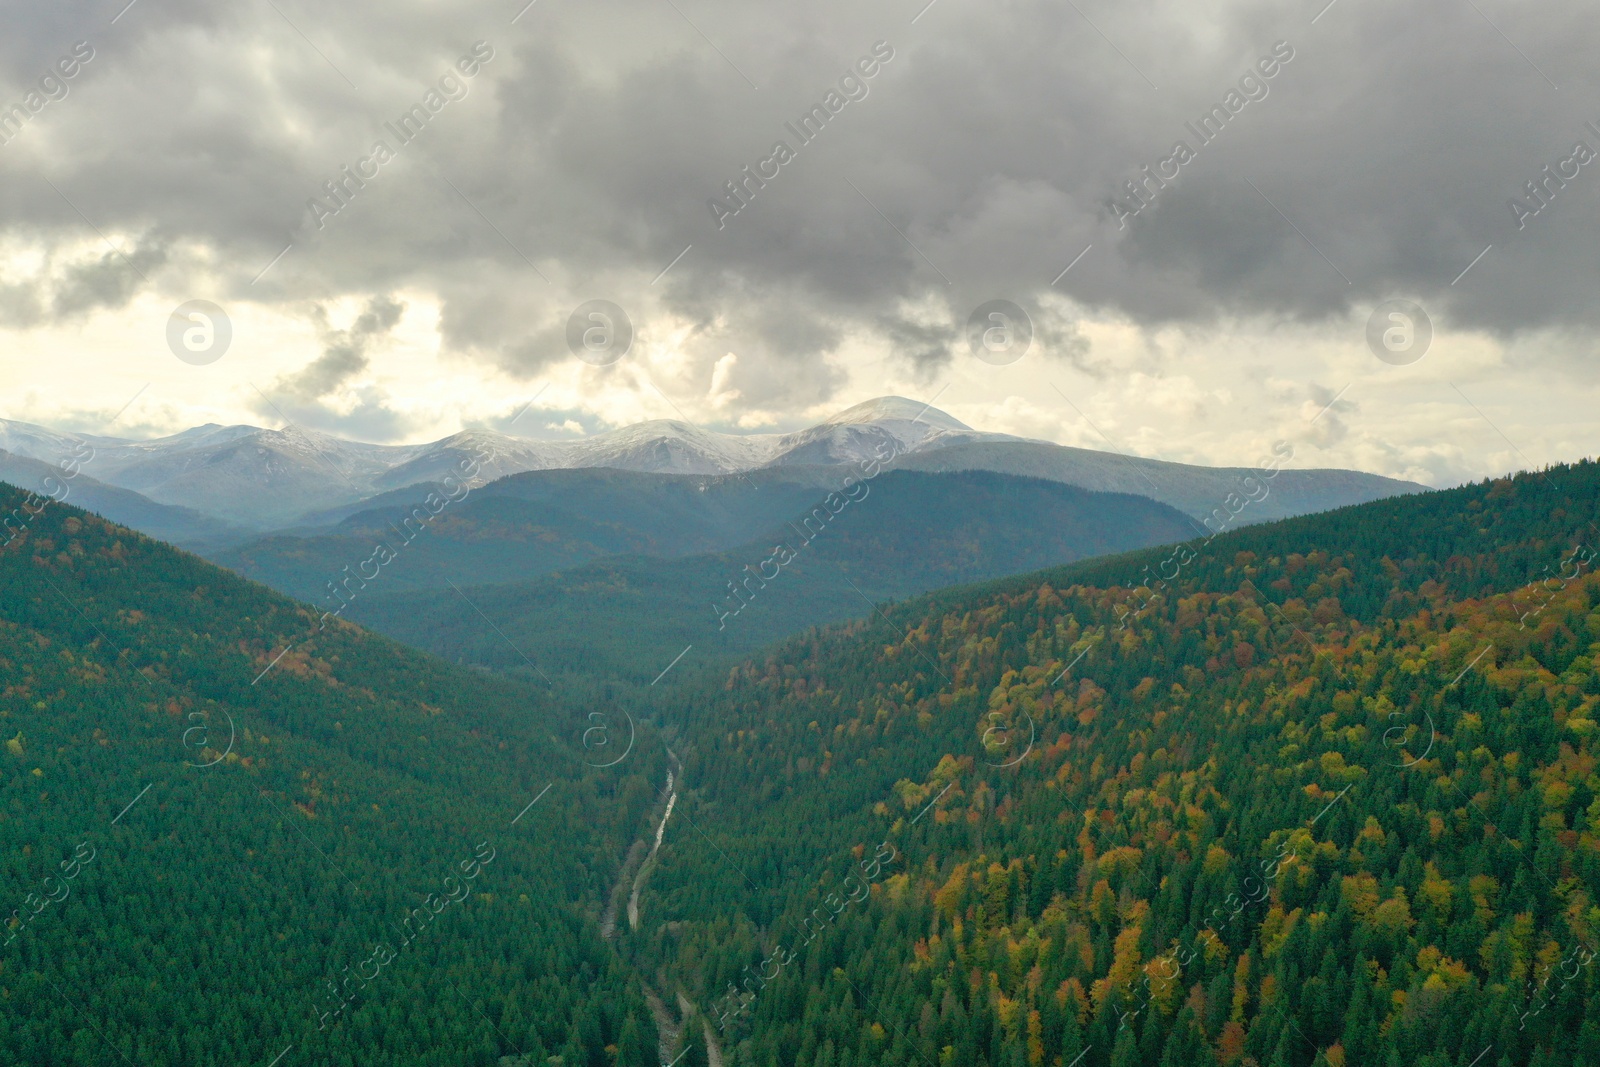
<point x="896" y="409"/>
<point x="266" y="477"/>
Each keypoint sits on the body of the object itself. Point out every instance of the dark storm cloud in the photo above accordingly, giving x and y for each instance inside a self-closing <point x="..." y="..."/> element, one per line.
<point x="985" y="158"/>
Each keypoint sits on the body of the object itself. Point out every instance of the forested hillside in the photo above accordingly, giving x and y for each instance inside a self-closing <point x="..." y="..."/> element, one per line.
<point x="520" y="526"/>
<point x="1322" y="791"/>
<point x="228" y="834"/>
<point x="1327" y="794"/>
<point x="900" y="534"/>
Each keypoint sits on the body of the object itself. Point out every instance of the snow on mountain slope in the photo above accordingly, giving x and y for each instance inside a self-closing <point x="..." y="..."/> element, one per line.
<point x="433" y="462"/>
<point x="264" y="478"/>
<point x="664" y="446"/>
<point x="897" y="409"/>
<point x="37" y="442"/>
<point x="863" y="431"/>
<point x="241" y="474"/>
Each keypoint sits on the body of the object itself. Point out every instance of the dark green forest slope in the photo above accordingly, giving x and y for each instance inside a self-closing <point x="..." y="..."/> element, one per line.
<point x="1326" y="795"/>
<point x="226" y="836"/>
<point x="523" y="525"/>
<point x="908" y="533"/>
<point x="1323" y="791"/>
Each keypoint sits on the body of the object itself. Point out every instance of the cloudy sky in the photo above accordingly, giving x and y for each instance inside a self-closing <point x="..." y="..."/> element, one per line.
<point x="571" y="152"/>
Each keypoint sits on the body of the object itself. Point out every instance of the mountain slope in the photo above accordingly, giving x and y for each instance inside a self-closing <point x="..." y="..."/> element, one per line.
<point x="527" y="525"/>
<point x="212" y="811"/>
<point x="276" y="479"/>
<point x="908" y="533"/>
<point x="121" y="506"/>
<point x="1327" y="795"/>
<point x="1321" y="791"/>
<point x="245" y="475"/>
<point x="1200" y="492"/>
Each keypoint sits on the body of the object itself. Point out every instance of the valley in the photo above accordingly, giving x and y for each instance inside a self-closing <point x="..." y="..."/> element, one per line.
<point x="497" y="613"/>
<point x="927" y="809"/>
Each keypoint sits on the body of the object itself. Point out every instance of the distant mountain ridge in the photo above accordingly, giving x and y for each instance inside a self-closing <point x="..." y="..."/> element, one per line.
<point x="162" y="521"/>
<point x="909" y="533"/>
<point x="275" y="479"/>
<point x="531" y="524"/>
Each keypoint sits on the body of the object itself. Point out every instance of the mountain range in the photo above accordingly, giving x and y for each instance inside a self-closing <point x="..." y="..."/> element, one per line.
<point x="659" y="523"/>
<point x="239" y="480"/>
<point x="629" y="613"/>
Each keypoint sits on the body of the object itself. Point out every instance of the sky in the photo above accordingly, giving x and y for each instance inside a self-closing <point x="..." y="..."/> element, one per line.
<point x="902" y="166"/>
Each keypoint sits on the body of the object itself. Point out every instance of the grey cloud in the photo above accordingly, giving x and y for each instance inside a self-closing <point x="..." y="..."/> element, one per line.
<point x="543" y="423"/>
<point x="344" y="353"/>
<point x="526" y="356"/>
<point x="499" y="319"/>
<point x="1328" y="429"/>
<point x="370" y="419"/>
<point x="1056" y="336"/>
<point x="381" y="316"/>
<point x="326" y="373"/>
<point x="993" y="142"/>
<point x="58" y="292"/>
<point x="21" y="304"/>
<point x="931" y="345"/>
<point x="926" y="345"/>
<point x="107" y="282"/>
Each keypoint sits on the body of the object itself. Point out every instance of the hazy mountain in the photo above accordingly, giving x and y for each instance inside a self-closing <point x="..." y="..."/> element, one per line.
<point x="179" y="525"/>
<point x="528" y="524"/>
<point x="510" y="455"/>
<point x="274" y="479"/>
<point x="1195" y="491"/>
<point x="240" y="474"/>
<point x="909" y="533"/>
